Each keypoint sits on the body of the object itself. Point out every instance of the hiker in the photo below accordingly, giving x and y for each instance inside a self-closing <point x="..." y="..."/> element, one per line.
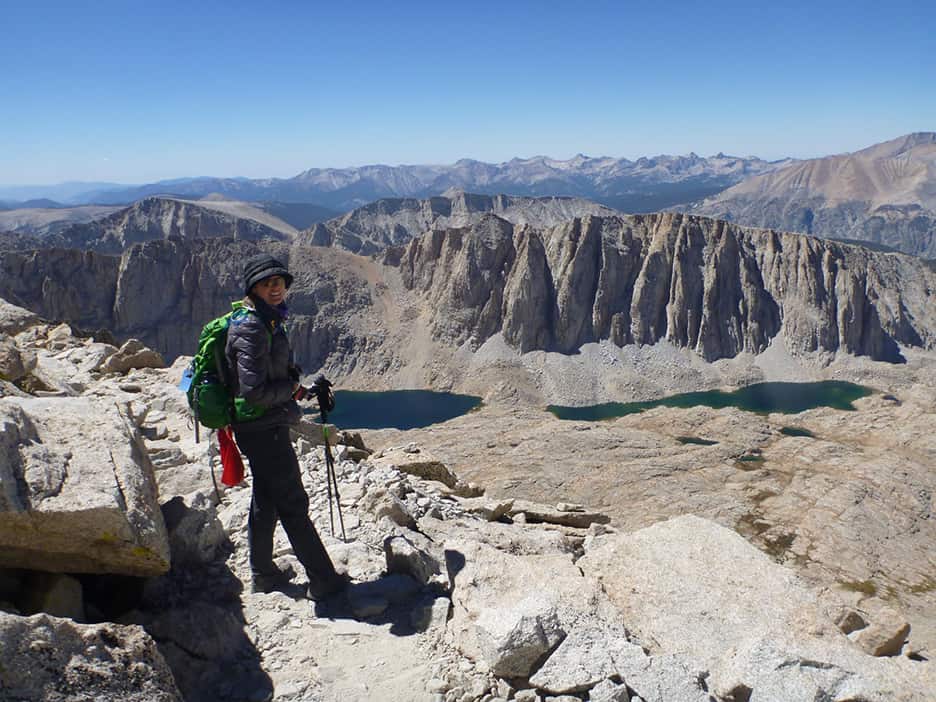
<point x="258" y="352"/>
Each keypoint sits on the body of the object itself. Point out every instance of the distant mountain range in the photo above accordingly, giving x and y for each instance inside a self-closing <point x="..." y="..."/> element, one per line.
<point x="45" y="221"/>
<point x="644" y="185"/>
<point x="884" y="194"/>
<point x="70" y="193"/>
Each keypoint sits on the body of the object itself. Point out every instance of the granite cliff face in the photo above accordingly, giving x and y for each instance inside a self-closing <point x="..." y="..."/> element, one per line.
<point x="885" y="194"/>
<point x="703" y="284"/>
<point x="394" y="222"/>
<point x="159" y="218"/>
<point x="162" y="292"/>
<point x="697" y="283"/>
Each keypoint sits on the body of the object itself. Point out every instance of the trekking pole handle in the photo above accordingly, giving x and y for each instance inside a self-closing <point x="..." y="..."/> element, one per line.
<point x="322" y="388"/>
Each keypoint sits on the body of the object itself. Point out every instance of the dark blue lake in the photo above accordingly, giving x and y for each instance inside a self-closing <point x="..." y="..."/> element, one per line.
<point x="396" y="409"/>
<point x="788" y="398"/>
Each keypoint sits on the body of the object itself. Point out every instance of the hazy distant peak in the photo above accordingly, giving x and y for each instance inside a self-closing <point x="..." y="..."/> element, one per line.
<point x="215" y="197"/>
<point x="644" y="185"/>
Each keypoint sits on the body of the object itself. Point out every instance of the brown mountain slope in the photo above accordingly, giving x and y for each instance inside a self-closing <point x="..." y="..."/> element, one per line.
<point x="884" y="194"/>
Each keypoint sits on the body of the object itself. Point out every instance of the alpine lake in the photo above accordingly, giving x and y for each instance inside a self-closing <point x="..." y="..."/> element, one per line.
<point x="763" y="398"/>
<point x="396" y="409"/>
<point x="414" y="409"/>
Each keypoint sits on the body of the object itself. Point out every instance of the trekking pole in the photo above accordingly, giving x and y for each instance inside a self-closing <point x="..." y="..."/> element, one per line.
<point x="331" y="515"/>
<point x="326" y="401"/>
<point x="331" y="478"/>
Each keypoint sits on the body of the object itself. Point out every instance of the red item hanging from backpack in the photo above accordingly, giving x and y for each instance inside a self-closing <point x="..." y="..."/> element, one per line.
<point x="232" y="472"/>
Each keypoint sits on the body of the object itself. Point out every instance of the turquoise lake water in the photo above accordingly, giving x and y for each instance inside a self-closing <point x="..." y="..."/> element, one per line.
<point x="395" y="409"/>
<point x="788" y="398"/>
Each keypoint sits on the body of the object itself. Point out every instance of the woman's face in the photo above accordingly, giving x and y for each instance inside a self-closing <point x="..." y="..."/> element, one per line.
<point x="271" y="290"/>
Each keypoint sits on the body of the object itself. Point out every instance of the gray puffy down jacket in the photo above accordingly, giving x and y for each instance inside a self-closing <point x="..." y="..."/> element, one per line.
<point x="258" y="352"/>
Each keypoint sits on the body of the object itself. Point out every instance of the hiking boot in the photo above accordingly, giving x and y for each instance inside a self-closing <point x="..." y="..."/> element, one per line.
<point x="319" y="591"/>
<point x="269" y="580"/>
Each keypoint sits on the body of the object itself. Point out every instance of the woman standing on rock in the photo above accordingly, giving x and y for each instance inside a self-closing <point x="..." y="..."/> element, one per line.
<point x="258" y="352"/>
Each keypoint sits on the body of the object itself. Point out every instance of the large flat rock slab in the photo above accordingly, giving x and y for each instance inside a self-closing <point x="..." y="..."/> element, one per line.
<point x="47" y="658"/>
<point x="688" y="586"/>
<point x="77" y="492"/>
<point x="509" y="611"/>
<point x="15" y="319"/>
<point x="418" y="462"/>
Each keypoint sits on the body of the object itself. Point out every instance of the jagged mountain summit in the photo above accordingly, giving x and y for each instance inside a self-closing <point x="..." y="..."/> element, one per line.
<point x="885" y="194"/>
<point x="161" y="218"/>
<point x="643" y="185"/>
<point x="393" y="222"/>
<point x="37" y="227"/>
<point x="698" y="283"/>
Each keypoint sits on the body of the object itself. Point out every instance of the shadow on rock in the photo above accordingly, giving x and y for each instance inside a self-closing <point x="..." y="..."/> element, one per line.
<point x="195" y="613"/>
<point x="395" y="599"/>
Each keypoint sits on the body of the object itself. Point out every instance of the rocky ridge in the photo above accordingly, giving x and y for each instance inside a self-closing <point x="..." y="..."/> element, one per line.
<point x="420" y="317"/>
<point x="162" y="292"/>
<point x="883" y="194"/>
<point x="703" y="284"/>
<point x="456" y="598"/>
<point x="158" y="218"/>
<point x="379" y="225"/>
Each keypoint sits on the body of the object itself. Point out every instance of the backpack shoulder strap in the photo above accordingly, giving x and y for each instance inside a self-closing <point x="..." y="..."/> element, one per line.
<point x="239" y="310"/>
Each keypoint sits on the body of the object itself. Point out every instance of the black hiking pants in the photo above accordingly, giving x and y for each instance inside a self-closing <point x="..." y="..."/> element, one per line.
<point x="278" y="494"/>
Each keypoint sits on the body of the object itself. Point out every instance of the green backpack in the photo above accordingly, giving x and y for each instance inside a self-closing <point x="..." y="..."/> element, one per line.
<point x="208" y="380"/>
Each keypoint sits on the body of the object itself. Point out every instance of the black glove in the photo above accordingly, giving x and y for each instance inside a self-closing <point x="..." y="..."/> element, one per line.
<point x="323" y="393"/>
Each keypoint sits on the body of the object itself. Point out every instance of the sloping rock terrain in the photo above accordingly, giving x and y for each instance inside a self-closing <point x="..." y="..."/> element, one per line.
<point x="446" y="605"/>
<point x="50" y="658"/>
<point x="847" y="501"/>
<point x="378" y="225"/>
<point x="83" y="493"/>
<point x="769" y="618"/>
<point x="883" y="195"/>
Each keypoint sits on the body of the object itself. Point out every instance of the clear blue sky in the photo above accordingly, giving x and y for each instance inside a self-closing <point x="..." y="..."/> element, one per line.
<point x="133" y="91"/>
